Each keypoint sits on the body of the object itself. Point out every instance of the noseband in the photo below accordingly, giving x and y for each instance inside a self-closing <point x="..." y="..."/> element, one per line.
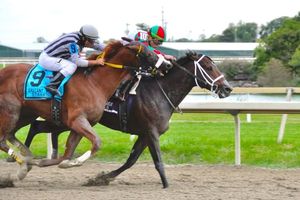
<point x="207" y="78"/>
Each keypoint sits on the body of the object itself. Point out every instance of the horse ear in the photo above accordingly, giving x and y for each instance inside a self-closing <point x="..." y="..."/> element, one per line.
<point x="126" y="39"/>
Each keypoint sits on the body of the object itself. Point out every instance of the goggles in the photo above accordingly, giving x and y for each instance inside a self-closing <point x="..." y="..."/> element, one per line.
<point x="157" y="41"/>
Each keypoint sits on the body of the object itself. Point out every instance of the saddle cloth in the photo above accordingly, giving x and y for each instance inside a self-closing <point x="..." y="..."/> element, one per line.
<point x="35" y="82"/>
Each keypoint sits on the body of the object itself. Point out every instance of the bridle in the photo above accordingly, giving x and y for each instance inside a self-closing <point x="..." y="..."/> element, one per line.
<point x="206" y="76"/>
<point x="207" y="80"/>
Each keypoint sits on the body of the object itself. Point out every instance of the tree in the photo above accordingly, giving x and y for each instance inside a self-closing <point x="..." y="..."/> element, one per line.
<point x="228" y="34"/>
<point x="275" y="75"/>
<point x="242" y="32"/>
<point x="295" y="61"/>
<point x="280" y="44"/>
<point x="213" y="38"/>
<point x="41" y="40"/>
<point x="246" y="32"/>
<point x="272" y="26"/>
<point x="183" y="40"/>
<point x="234" y="68"/>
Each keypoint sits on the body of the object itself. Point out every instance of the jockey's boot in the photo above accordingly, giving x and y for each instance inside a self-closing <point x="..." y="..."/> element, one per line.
<point x="52" y="87"/>
<point x="122" y="89"/>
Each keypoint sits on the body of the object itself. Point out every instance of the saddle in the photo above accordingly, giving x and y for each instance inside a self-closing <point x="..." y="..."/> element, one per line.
<point x="34" y="89"/>
<point x="36" y="81"/>
<point x="120" y="109"/>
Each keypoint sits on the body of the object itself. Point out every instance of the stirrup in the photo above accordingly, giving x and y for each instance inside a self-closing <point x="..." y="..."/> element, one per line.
<point x="120" y="96"/>
<point x="53" y="91"/>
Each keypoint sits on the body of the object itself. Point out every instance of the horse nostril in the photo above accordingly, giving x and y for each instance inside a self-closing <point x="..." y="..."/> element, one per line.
<point x="228" y="89"/>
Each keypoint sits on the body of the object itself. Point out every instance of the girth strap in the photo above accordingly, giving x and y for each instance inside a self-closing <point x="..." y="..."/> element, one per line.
<point x="56" y="111"/>
<point x="123" y="118"/>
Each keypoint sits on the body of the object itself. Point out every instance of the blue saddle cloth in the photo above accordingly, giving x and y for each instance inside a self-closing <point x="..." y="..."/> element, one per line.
<point x="35" y="82"/>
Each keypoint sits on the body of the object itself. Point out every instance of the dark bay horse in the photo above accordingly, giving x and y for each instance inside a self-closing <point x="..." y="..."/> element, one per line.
<point x="82" y="105"/>
<point x="149" y="111"/>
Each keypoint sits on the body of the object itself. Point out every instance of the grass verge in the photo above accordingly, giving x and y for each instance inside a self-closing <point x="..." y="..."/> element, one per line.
<point x="200" y="139"/>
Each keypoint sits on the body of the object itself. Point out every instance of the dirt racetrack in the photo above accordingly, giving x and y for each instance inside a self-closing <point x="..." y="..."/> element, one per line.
<point x="190" y="182"/>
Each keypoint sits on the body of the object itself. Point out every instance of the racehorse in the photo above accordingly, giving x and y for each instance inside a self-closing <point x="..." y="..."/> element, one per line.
<point x="149" y="112"/>
<point x="82" y="105"/>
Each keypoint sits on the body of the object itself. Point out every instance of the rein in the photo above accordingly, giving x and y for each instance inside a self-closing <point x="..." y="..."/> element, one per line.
<point x="177" y="109"/>
<point x="118" y="66"/>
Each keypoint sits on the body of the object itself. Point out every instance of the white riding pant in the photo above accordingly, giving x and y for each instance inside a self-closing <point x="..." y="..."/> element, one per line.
<point x="66" y="67"/>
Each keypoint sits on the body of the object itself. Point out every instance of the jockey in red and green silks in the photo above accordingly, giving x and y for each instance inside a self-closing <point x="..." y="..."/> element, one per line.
<point x="152" y="39"/>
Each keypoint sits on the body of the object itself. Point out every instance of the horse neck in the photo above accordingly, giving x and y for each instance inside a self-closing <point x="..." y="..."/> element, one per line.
<point x="177" y="84"/>
<point x="107" y="79"/>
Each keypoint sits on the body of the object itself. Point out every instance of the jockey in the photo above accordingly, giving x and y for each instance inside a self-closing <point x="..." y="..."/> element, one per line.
<point x="153" y="38"/>
<point x="156" y="37"/>
<point x="62" y="54"/>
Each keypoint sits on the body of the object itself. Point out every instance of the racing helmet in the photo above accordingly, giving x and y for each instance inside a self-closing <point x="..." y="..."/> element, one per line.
<point x="157" y="32"/>
<point x="89" y="32"/>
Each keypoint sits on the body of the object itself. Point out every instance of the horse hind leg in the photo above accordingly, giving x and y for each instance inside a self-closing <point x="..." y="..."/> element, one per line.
<point x="9" y="116"/>
<point x="24" y="150"/>
<point x="23" y="170"/>
<point x="24" y="158"/>
<point x="7" y="180"/>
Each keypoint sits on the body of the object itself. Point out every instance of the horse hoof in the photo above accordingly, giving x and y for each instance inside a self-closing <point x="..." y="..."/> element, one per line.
<point x="70" y="163"/>
<point x="10" y="159"/>
<point x="22" y="172"/>
<point x="48" y="162"/>
<point x="100" y="180"/>
<point x="6" y="181"/>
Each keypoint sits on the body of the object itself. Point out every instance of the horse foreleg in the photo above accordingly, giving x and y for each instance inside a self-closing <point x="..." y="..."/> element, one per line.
<point x="72" y="142"/>
<point x="154" y="147"/>
<point x="82" y="126"/>
<point x="136" y="151"/>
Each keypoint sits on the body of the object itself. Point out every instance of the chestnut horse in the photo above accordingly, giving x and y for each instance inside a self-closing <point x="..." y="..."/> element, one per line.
<point x="149" y="111"/>
<point x="82" y="105"/>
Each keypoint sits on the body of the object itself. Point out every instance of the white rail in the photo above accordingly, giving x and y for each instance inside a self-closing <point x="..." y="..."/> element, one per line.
<point x="7" y="61"/>
<point x="235" y="108"/>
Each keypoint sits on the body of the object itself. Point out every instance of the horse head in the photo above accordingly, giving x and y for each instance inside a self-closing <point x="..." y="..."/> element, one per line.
<point x="206" y="73"/>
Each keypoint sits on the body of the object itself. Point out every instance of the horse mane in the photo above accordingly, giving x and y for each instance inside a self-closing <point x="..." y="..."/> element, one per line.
<point x="112" y="48"/>
<point x="185" y="58"/>
<point x="191" y="53"/>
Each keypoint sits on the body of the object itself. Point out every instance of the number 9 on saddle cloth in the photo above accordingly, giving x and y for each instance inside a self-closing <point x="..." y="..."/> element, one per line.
<point x="36" y="81"/>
